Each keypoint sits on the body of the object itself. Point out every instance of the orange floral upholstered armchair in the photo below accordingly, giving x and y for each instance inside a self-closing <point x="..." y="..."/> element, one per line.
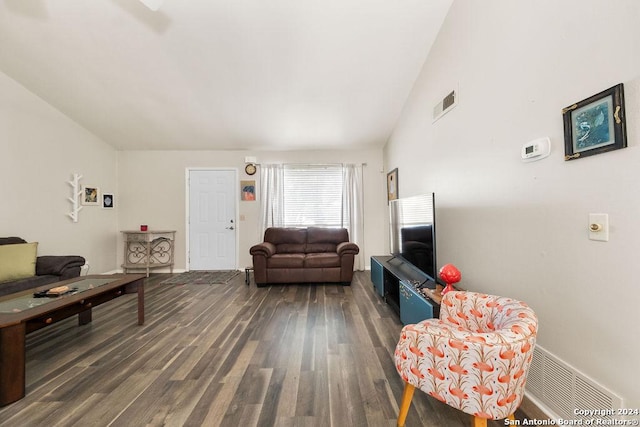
<point x="475" y="357"/>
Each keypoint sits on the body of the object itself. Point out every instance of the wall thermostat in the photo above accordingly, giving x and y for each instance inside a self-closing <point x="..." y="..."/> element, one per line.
<point x="536" y="149"/>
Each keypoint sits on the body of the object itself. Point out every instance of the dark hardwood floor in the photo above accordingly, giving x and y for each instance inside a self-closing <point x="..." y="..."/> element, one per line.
<point x="230" y="355"/>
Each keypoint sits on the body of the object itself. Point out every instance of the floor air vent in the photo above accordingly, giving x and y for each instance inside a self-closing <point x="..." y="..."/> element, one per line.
<point x="562" y="389"/>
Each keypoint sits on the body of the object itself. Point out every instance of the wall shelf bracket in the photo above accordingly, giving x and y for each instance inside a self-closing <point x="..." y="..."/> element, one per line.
<point x="76" y="192"/>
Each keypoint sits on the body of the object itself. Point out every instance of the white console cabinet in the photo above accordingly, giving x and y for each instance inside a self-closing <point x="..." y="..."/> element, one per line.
<point x="144" y="250"/>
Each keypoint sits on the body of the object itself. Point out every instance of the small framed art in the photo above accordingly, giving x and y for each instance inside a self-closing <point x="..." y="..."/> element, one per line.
<point x="90" y="196"/>
<point x="392" y="185"/>
<point x="248" y="190"/>
<point x="595" y="125"/>
<point x="108" y="201"/>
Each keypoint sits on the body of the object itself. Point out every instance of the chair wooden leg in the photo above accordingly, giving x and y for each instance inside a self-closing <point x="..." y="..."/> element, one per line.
<point x="482" y="422"/>
<point x="407" y="395"/>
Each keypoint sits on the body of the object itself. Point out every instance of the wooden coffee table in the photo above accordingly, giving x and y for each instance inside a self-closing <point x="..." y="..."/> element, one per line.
<point x="21" y="313"/>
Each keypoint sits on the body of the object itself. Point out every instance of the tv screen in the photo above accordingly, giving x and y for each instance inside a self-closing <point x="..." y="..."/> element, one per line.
<point x="413" y="232"/>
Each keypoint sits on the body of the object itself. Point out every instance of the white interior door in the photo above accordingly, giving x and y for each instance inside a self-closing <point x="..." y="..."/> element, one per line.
<point x="212" y="216"/>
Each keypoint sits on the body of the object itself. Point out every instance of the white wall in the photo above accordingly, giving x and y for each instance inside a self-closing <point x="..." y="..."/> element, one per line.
<point x="40" y="149"/>
<point x="519" y="229"/>
<point x="152" y="191"/>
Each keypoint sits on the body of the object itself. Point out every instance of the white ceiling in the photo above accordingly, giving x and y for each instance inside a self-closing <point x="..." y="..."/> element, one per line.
<point x="223" y="74"/>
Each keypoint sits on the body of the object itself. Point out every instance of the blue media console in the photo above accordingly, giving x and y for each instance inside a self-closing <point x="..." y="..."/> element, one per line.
<point x="395" y="281"/>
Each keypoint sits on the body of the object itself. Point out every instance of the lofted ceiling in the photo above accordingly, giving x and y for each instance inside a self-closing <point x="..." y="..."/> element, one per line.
<point x="223" y="74"/>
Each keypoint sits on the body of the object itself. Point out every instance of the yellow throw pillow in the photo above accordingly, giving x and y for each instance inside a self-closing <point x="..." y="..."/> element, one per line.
<point x="18" y="261"/>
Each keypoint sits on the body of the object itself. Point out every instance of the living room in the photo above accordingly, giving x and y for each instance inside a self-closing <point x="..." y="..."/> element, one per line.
<point x="513" y="228"/>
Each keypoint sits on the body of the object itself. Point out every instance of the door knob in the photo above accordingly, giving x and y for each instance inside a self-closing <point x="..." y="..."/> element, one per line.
<point x="230" y="228"/>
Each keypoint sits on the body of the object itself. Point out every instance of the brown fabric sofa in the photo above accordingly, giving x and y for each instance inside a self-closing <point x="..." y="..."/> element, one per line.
<point x="304" y="255"/>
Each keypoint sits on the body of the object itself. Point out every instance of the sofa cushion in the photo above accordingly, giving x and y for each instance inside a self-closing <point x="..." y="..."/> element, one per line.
<point x="32" y="282"/>
<point x="11" y="240"/>
<point x="322" y="260"/>
<point x="17" y="261"/>
<point x="313" y="248"/>
<point x="290" y="248"/>
<point x="286" y="261"/>
<point x="327" y="235"/>
<point x="58" y="264"/>
<point x="325" y="239"/>
<point x="277" y="235"/>
<point x="287" y="240"/>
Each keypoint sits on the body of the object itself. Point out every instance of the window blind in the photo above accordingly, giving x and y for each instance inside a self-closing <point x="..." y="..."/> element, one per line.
<point x="313" y="195"/>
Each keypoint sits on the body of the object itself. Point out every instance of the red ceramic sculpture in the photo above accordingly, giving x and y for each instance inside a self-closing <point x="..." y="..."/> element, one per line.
<point x="450" y="275"/>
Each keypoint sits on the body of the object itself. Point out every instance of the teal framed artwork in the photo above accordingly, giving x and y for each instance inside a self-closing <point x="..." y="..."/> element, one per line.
<point x="595" y="125"/>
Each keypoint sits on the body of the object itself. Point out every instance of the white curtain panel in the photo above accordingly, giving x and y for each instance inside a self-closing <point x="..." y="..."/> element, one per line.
<point x="352" y="209"/>
<point x="271" y="192"/>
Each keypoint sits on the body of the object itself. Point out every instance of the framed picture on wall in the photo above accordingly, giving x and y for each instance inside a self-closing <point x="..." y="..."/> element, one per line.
<point x="595" y="125"/>
<point x="90" y="196"/>
<point x="108" y="201"/>
<point x="392" y="185"/>
<point x="248" y="191"/>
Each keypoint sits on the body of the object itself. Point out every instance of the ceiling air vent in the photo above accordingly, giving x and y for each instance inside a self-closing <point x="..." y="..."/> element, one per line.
<point x="445" y="105"/>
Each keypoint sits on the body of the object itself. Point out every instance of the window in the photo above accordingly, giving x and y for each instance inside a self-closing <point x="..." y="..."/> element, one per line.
<point x="293" y="195"/>
<point x="313" y="196"/>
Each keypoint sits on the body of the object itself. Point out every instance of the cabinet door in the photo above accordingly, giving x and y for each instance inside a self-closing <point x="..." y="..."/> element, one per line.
<point x="377" y="276"/>
<point x="413" y="307"/>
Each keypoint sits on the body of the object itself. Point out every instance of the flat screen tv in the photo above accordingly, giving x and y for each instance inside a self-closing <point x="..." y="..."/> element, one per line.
<point x="413" y="231"/>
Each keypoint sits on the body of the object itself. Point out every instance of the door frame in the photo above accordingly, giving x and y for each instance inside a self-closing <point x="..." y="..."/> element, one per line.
<point x="236" y="189"/>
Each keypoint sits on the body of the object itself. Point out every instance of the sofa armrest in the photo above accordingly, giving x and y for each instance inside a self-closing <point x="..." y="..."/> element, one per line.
<point x="58" y="265"/>
<point x="347" y="248"/>
<point x="265" y="249"/>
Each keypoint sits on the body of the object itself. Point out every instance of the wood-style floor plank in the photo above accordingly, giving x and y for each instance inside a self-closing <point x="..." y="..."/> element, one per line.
<point x="225" y="355"/>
